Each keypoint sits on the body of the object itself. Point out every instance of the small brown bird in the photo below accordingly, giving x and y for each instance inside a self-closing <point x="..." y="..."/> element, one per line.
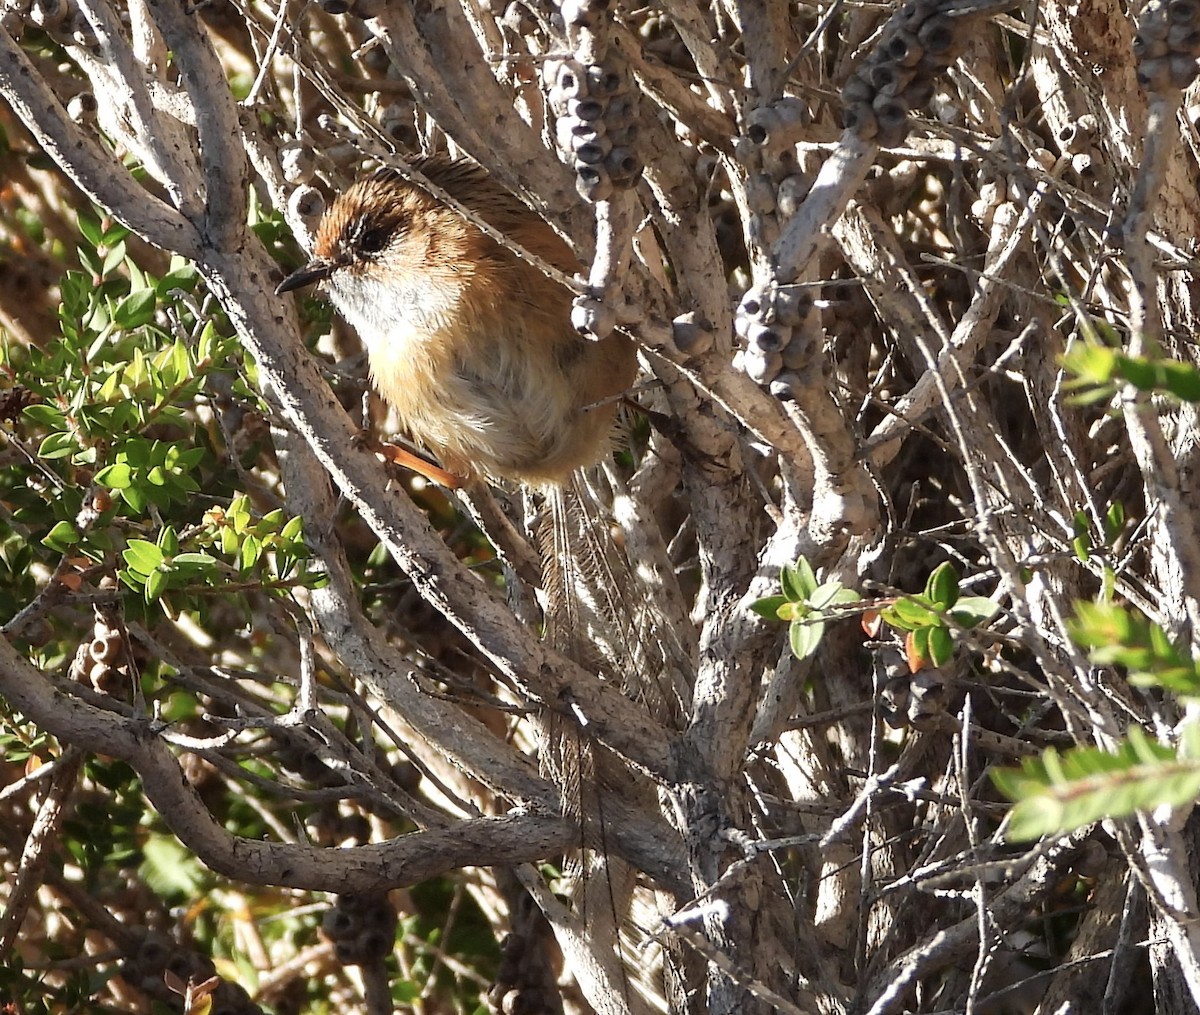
<point x="472" y="345"/>
<point x="474" y="348"/>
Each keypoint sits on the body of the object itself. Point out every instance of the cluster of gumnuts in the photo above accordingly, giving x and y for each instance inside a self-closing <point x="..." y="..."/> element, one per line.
<point x="61" y="19"/>
<point x="361" y="927"/>
<point x="595" y="104"/>
<point x="769" y="322"/>
<point x="516" y="991"/>
<point x="1167" y="44"/>
<point x="917" y="44"/>
<point x="525" y="982"/>
<point x="103" y="660"/>
<point x="157" y="955"/>
<point x="769" y="144"/>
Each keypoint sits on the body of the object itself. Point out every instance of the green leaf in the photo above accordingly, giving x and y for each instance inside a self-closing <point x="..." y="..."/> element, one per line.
<point x="142" y="556"/>
<point x="58" y="445"/>
<point x="824" y="594"/>
<point x="805" y="636"/>
<point x="1181" y="379"/>
<point x="798" y="580"/>
<point x="61" y="538"/>
<point x="971" y="611"/>
<point x="115" y="477"/>
<point x="1056" y="793"/>
<point x="1138" y="371"/>
<point x="184" y="279"/>
<point x="845" y="596"/>
<point x="135" y="498"/>
<point x="940" y="645"/>
<point x="113" y="259"/>
<point x="942" y="587"/>
<point x="918" y="646"/>
<point x="1116" y="635"/>
<point x="768" y="607"/>
<point x="156" y="584"/>
<point x="135" y="309"/>
<point x="168" y="541"/>
<point x="251" y="550"/>
<point x="206" y="346"/>
<point x="910" y="613"/>
<point x="47" y="415"/>
<point x="1091" y="364"/>
<point x="169" y="869"/>
<point x="203" y="560"/>
<point x="1114" y="521"/>
<point x="90" y="229"/>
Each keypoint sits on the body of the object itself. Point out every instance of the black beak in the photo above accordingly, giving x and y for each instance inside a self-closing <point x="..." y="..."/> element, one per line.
<point x="315" y="271"/>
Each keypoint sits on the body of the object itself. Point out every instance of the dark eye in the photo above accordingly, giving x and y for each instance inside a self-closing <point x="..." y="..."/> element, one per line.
<point x="372" y="241"/>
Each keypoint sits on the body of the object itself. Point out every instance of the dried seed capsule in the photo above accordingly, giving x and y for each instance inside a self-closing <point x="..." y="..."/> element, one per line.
<point x="620" y="113"/>
<point x="1153" y="27"/>
<point x="623" y="165"/>
<point x="765" y="339"/>
<point x="857" y="89"/>
<point x="890" y="79"/>
<point x="592" y="153"/>
<point x="919" y="93"/>
<point x="892" y="115"/>
<point x="1183" y="12"/>
<point x="1183" y="37"/>
<point x="692" y="336"/>
<point x="797" y="354"/>
<point x="793" y="110"/>
<point x="80" y="31"/>
<point x="49" y="13"/>
<point x="106" y="649"/>
<point x="761" y="367"/>
<point x="1146" y="48"/>
<point x="936" y="35"/>
<point x="592" y="183"/>
<point x="915" y="11"/>
<point x="760" y="194"/>
<point x="592" y="318"/>
<point x="373" y="944"/>
<point x="752" y="304"/>
<point x="306" y="203"/>
<point x="860" y="118"/>
<point x="622" y="137"/>
<point x="579" y="13"/>
<point x="1181" y="70"/>
<point x="902" y="48"/>
<point x="791" y="194"/>
<point x="588" y="109"/>
<point x="572" y="135"/>
<point x="604" y="80"/>
<point x="760" y="122"/>
<point x="569" y="78"/>
<point x="297" y="162"/>
<point x="792" y="306"/>
<point x="1153" y="74"/>
<point x="785" y="386"/>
